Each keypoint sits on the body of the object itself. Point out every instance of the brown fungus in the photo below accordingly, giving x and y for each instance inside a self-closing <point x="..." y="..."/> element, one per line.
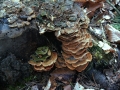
<point x="43" y="59"/>
<point x="69" y="22"/>
<point x="75" y="51"/>
<point x="19" y="17"/>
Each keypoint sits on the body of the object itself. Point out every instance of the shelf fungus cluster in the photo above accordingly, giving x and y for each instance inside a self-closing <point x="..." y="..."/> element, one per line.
<point x="75" y="42"/>
<point x="70" y="23"/>
<point x="43" y="59"/>
<point x="17" y="17"/>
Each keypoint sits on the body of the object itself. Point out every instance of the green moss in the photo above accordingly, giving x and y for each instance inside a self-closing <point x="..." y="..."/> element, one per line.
<point x="116" y="19"/>
<point x="41" y="54"/>
<point x="98" y="53"/>
<point x="37" y="58"/>
<point x="42" y="50"/>
<point x="100" y="58"/>
<point x="116" y="22"/>
<point x="116" y="26"/>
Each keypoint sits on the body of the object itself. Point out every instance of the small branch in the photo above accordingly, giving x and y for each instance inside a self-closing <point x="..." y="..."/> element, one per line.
<point x="103" y="31"/>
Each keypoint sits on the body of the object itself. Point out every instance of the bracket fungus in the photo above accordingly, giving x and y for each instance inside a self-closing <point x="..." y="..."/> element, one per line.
<point x="65" y="17"/>
<point x="70" y="23"/>
<point x="74" y="46"/>
<point x="18" y="17"/>
<point x="43" y="59"/>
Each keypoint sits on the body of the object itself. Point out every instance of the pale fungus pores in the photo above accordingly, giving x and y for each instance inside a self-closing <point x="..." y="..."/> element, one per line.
<point x="43" y="59"/>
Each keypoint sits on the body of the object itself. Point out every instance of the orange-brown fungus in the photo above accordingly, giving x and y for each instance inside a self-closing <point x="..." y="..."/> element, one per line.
<point x="75" y="42"/>
<point x="43" y="60"/>
<point x="69" y="22"/>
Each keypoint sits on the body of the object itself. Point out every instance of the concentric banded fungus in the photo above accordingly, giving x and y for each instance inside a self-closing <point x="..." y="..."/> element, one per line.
<point x="74" y="47"/>
<point x="18" y="16"/>
<point x="75" y="51"/>
<point x="69" y="22"/>
<point x="43" y="59"/>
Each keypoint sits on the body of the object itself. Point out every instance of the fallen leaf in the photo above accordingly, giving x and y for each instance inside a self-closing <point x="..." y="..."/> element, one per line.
<point x="35" y="87"/>
<point x="96" y="30"/>
<point x="107" y="17"/>
<point x="91" y="5"/>
<point x="78" y="87"/>
<point x="48" y="85"/>
<point x="113" y="34"/>
<point x="62" y="74"/>
<point x="107" y="48"/>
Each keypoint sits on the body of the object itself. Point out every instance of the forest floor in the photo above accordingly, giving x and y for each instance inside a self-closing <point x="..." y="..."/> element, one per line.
<point x="103" y="73"/>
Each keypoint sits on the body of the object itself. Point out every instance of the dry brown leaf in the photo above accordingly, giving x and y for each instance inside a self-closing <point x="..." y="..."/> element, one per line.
<point x="113" y="34"/>
<point x="63" y="75"/>
<point x="91" y="5"/>
<point x="107" y="48"/>
<point x="88" y="1"/>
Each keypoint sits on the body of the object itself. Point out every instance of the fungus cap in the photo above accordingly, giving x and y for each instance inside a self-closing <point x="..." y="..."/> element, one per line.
<point x="86" y="58"/>
<point x="42" y="68"/>
<point x="51" y="60"/>
<point x="33" y="63"/>
<point x="82" y="67"/>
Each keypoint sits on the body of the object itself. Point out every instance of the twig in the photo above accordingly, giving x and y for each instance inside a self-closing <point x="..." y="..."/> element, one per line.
<point x="103" y="31"/>
<point x="94" y="80"/>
